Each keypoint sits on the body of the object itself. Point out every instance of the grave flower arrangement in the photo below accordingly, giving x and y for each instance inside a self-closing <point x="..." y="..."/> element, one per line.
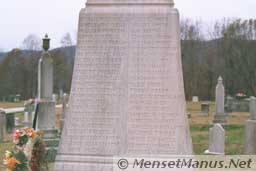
<point x="20" y="159"/>
<point x="15" y="161"/>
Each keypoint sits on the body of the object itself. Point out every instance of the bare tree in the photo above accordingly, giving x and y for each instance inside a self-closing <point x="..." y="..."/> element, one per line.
<point x="32" y="42"/>
<point x="66" y="40"/>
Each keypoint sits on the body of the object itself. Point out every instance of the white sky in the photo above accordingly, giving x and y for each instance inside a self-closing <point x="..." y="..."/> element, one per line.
<point x="19" y="18"/>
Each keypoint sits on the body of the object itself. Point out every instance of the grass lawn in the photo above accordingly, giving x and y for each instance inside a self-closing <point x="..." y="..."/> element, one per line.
<point x="199" y="128"/>
<point x="11" y="105"/>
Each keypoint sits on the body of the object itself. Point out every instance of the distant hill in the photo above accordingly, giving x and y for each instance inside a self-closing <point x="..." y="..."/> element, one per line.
<point x="69" y="53"/>
<point x="2" y="55"/>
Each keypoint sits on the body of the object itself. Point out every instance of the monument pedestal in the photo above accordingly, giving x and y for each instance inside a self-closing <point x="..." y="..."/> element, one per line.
<point x="51" y="139"/>
<point x="127" y="96"/>
<point x="250" y="138"/>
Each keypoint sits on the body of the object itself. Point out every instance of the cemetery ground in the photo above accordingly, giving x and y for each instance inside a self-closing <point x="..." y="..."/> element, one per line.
<point x="199" y="128"/>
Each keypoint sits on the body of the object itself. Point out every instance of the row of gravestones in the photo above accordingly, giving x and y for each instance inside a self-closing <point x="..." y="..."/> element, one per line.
<point x="217" y="132"/>
<point x="8" y="122"/>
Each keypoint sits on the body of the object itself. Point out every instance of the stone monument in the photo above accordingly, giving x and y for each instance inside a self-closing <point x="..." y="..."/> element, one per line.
<point x="205" y="108"/>
<point x="216" y="140"/>
<point x="220" y="116"/>
<point x="250" y="130"/>
<point x="127" y="96"/>
<point x="46" y="106"/>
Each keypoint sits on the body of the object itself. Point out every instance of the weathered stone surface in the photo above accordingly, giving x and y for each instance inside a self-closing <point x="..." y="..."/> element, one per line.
<point x="216" y="140"/>
<point x="127" y="95"/>
<point x="220" y="116"/>
<point x="46" y="115"/>
<point x="250" y="138"/>
<point x="195" y="99"/>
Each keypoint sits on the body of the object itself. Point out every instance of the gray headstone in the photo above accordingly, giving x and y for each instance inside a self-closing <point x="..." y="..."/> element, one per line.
<point x="2" y="126"/>
<point x="127" y="95"/>
<point x="54" y="97"/>
<point x="10" y="122"/>
<point x="220" y="116"/>
<point x="216" y="140"/>
<point x="205" y="109"/>
<point x="253" y="108"/>
<point x="250" y="138"/>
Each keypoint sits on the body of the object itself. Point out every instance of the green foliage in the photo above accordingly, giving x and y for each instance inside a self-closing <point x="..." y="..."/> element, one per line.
<point x="21" y="157"/>
<point x="228" y="49"/>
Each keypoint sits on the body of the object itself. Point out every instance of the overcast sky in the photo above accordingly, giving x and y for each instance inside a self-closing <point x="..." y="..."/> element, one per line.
<point x="19" y="18"/>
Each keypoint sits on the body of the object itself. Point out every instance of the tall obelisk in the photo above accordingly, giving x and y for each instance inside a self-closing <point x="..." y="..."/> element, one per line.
<point x="127" y="95"/>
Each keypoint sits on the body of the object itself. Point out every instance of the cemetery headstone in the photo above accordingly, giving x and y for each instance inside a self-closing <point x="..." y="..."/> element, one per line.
<point x="26" y="122"/>
<point x="253" y="108"/>
<point x="216" y="140"/>
<point x="205" y="108"/>
<point x="195" y="99"/>
<point x="237" y="104"/>
<point x="220" y="116"/>
<point x="54" y="97"/>
<point x="17" y="121"/>
<point x="127" y="95"/>
<point x="250" y="130"/>
<point x="10" y="122"/>
<point x="46" y="106"/>
<point x="2" y="125"/>
<point x="64" y="109"/>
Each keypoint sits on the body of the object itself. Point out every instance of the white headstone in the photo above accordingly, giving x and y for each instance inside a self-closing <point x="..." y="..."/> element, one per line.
<point x="54" y="97"/>
<point x="17" y="121"/>
<point x="216" y="140"/>
<point x="26" y="119"/>
<point x="195" y="99"/>
<point x="127" y="95"/>
<point x="220" y="116"/>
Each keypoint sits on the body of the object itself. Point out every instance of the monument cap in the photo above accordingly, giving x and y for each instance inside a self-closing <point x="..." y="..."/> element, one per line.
<point x="130" y="2"/>
<point x="46" y="42"/>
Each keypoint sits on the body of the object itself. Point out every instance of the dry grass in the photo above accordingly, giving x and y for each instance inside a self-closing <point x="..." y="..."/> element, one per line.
<point x="199" y="127"/>
<point x="11" y="105"/>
